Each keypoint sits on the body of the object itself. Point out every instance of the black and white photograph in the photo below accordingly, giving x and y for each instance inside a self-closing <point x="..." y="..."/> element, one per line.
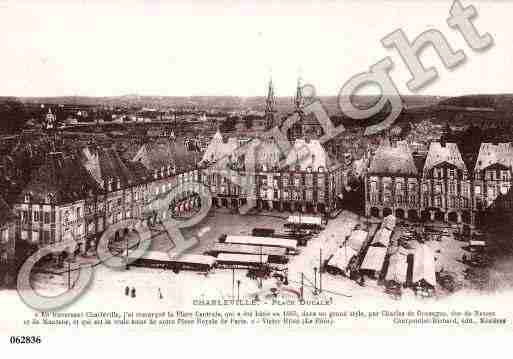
<point x="255" y="166"/>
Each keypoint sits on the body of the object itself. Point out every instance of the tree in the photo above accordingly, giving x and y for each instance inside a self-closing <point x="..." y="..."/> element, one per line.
<point x="228" y="125"/>
<point x="248" y="121"/>
<point x="13" y="116"/>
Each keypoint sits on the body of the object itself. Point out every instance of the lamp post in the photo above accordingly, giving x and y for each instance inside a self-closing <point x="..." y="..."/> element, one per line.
<point x="302" y="285"/>
<point x="315" y="281"/>
<point x="238" y="289"/>
<point x="233" y="283"/>
<point x="69" y="274"/>
<point x="127" y="267"/>
<point x="320" y="270"/>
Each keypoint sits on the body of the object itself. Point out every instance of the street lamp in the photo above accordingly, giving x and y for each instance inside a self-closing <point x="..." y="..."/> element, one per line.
<point x="127" y="267"/>
<point x="315" y="281"/>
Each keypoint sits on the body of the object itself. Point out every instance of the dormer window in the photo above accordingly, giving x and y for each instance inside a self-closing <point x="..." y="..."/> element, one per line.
<point x="27" y="198"/>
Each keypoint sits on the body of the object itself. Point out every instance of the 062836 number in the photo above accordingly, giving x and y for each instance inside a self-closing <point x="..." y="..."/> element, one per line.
<point x="25" y="340"/>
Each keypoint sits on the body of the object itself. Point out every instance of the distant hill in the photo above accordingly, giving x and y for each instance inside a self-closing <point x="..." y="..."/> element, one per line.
<point x="283" y="104"/>
<point x="500" y="102"/>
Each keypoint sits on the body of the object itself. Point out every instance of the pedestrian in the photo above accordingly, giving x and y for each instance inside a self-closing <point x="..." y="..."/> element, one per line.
<point x="133" y="292"/>
<point x="127" y="291"/>
<point x="160" y="295"/>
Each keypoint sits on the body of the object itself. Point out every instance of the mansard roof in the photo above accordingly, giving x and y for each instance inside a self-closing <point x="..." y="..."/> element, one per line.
<point x="308" y="154"/>
<point x="164" y="152"/>
<point x="105" y="164"/>
<point x="62" y="178"/>
<point x="490" y="154"/>
<point x="218" y="148"/>
<point x="393" y="159"/>
<point x="444" y="152"/>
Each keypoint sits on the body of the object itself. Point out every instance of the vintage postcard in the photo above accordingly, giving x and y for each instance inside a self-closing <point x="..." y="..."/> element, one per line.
<point x="311" y="167"/>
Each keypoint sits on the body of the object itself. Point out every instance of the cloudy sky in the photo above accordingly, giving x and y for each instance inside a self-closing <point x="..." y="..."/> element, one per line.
<point x="226" y="47"/>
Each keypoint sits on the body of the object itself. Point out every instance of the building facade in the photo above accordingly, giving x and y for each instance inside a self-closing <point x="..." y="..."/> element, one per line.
<point x="7" y="244"/>
<point x="439" y="187"/>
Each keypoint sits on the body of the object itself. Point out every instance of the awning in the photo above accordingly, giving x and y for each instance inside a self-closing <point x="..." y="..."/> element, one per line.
<point x="342" y="257"/>
<point x="424" y="265"/>
<point x="374" y="259"/>
<point x="357" y="239"/>
<point x="397" y="268"/>
<point x="477" y="243"/>
<point x="382" y="237"/>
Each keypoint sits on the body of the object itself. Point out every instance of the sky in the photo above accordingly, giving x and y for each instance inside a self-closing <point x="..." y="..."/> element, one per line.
<point x="227" y="47"/>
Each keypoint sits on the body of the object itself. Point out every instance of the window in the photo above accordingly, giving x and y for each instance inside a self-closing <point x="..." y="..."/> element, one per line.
<point x="46" y="237"/>
<point x="504" y="175"/>
<point x="36" y="216"/>
<point x="5" y="236"/>
<point x="413" y="200"/>
<point x="79" y="212"/>
<point x="477" y="190"/>
<point x="25" y="217"/>
<point x="373" y="187"/>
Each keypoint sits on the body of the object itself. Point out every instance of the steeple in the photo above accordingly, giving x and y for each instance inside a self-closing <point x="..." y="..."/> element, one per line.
<point x="270" y="102"/>
<point x="298" y="99"/>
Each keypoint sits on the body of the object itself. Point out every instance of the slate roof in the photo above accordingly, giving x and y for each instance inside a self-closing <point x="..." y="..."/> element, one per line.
<point x="448" y="152"/>
<point x="163" y="152"/>
<point x="308" y="154"/>
<point x="62" y="177"/>
<point x="393" y="159"/>
<point x="490" y="154"/>
<point x="105" y="163"/>
<point x="218" y="148"/>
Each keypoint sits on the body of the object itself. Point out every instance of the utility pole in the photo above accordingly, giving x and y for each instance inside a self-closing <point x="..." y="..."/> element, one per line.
<point x="233" y="283"/>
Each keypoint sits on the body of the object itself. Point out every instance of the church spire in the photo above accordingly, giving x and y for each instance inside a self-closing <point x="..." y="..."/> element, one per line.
<point x="270" y="103"/>
<point x="298" y="99"/>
